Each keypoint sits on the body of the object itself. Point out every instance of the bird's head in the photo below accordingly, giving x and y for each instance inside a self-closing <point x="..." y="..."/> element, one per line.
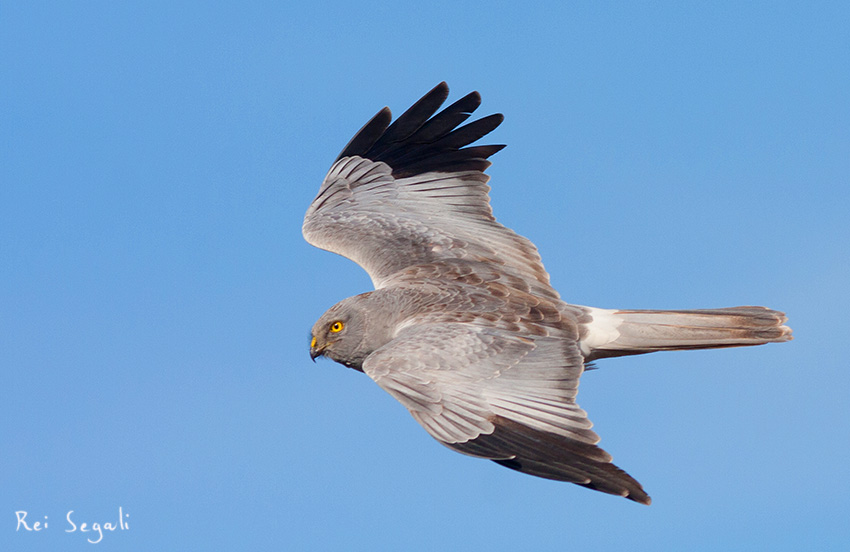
<point x="341" y="334"/>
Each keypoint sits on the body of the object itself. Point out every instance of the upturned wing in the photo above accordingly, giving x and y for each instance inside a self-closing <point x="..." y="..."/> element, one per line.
<point x="494" y="394"/>
<point x="414" y="192"/>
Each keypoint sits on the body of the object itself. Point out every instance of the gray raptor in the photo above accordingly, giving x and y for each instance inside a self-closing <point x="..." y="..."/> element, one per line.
<point x="463" y="327"/>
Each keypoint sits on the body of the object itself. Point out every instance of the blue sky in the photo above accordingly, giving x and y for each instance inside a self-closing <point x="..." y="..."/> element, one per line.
<point x="156" y="295"/>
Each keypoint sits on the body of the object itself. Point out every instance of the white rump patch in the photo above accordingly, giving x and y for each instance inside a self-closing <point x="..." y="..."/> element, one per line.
<point x="602" y="330"/>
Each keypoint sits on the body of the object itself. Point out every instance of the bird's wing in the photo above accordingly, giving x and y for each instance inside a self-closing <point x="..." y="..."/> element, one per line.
<point x="498" y="395"/>
<point x="412" y="192"/>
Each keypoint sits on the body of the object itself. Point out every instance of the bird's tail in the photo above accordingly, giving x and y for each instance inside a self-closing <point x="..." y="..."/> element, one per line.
<point x="632" y="332"/>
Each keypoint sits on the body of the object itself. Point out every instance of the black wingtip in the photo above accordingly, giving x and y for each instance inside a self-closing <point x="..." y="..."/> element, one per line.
<point x="421" y="141"/>
<point x="368" y="134"/>
<point x="443" y="89"/>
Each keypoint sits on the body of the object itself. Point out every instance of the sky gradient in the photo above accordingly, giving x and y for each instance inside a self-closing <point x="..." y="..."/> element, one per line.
<point x="156" y="295"/>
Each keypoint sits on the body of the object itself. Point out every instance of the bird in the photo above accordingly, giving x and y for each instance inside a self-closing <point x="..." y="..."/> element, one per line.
<point x="463" y="327"/>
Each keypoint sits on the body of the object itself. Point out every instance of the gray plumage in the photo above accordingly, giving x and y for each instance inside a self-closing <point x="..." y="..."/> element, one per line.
<point x="463" y="327"/>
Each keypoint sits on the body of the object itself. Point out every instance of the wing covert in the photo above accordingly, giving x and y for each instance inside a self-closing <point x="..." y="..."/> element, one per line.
<point x="500" y="396"/>
<point x="414" y="191"/>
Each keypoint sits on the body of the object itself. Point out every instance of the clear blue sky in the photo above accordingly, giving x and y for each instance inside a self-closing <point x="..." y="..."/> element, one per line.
<point x="156" y="294"/>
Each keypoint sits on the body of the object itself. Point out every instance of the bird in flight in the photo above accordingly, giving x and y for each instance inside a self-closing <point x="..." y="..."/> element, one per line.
<point x="463" y="327"/>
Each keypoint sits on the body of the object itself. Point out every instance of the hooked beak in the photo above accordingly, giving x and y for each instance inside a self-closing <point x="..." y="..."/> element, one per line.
<point x="316" y="351"/>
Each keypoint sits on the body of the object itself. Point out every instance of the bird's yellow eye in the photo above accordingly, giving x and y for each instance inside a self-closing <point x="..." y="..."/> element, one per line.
<point x="337" y="327"/>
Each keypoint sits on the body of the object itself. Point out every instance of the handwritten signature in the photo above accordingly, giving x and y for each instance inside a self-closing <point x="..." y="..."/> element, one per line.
<point x="96" y="528"/>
